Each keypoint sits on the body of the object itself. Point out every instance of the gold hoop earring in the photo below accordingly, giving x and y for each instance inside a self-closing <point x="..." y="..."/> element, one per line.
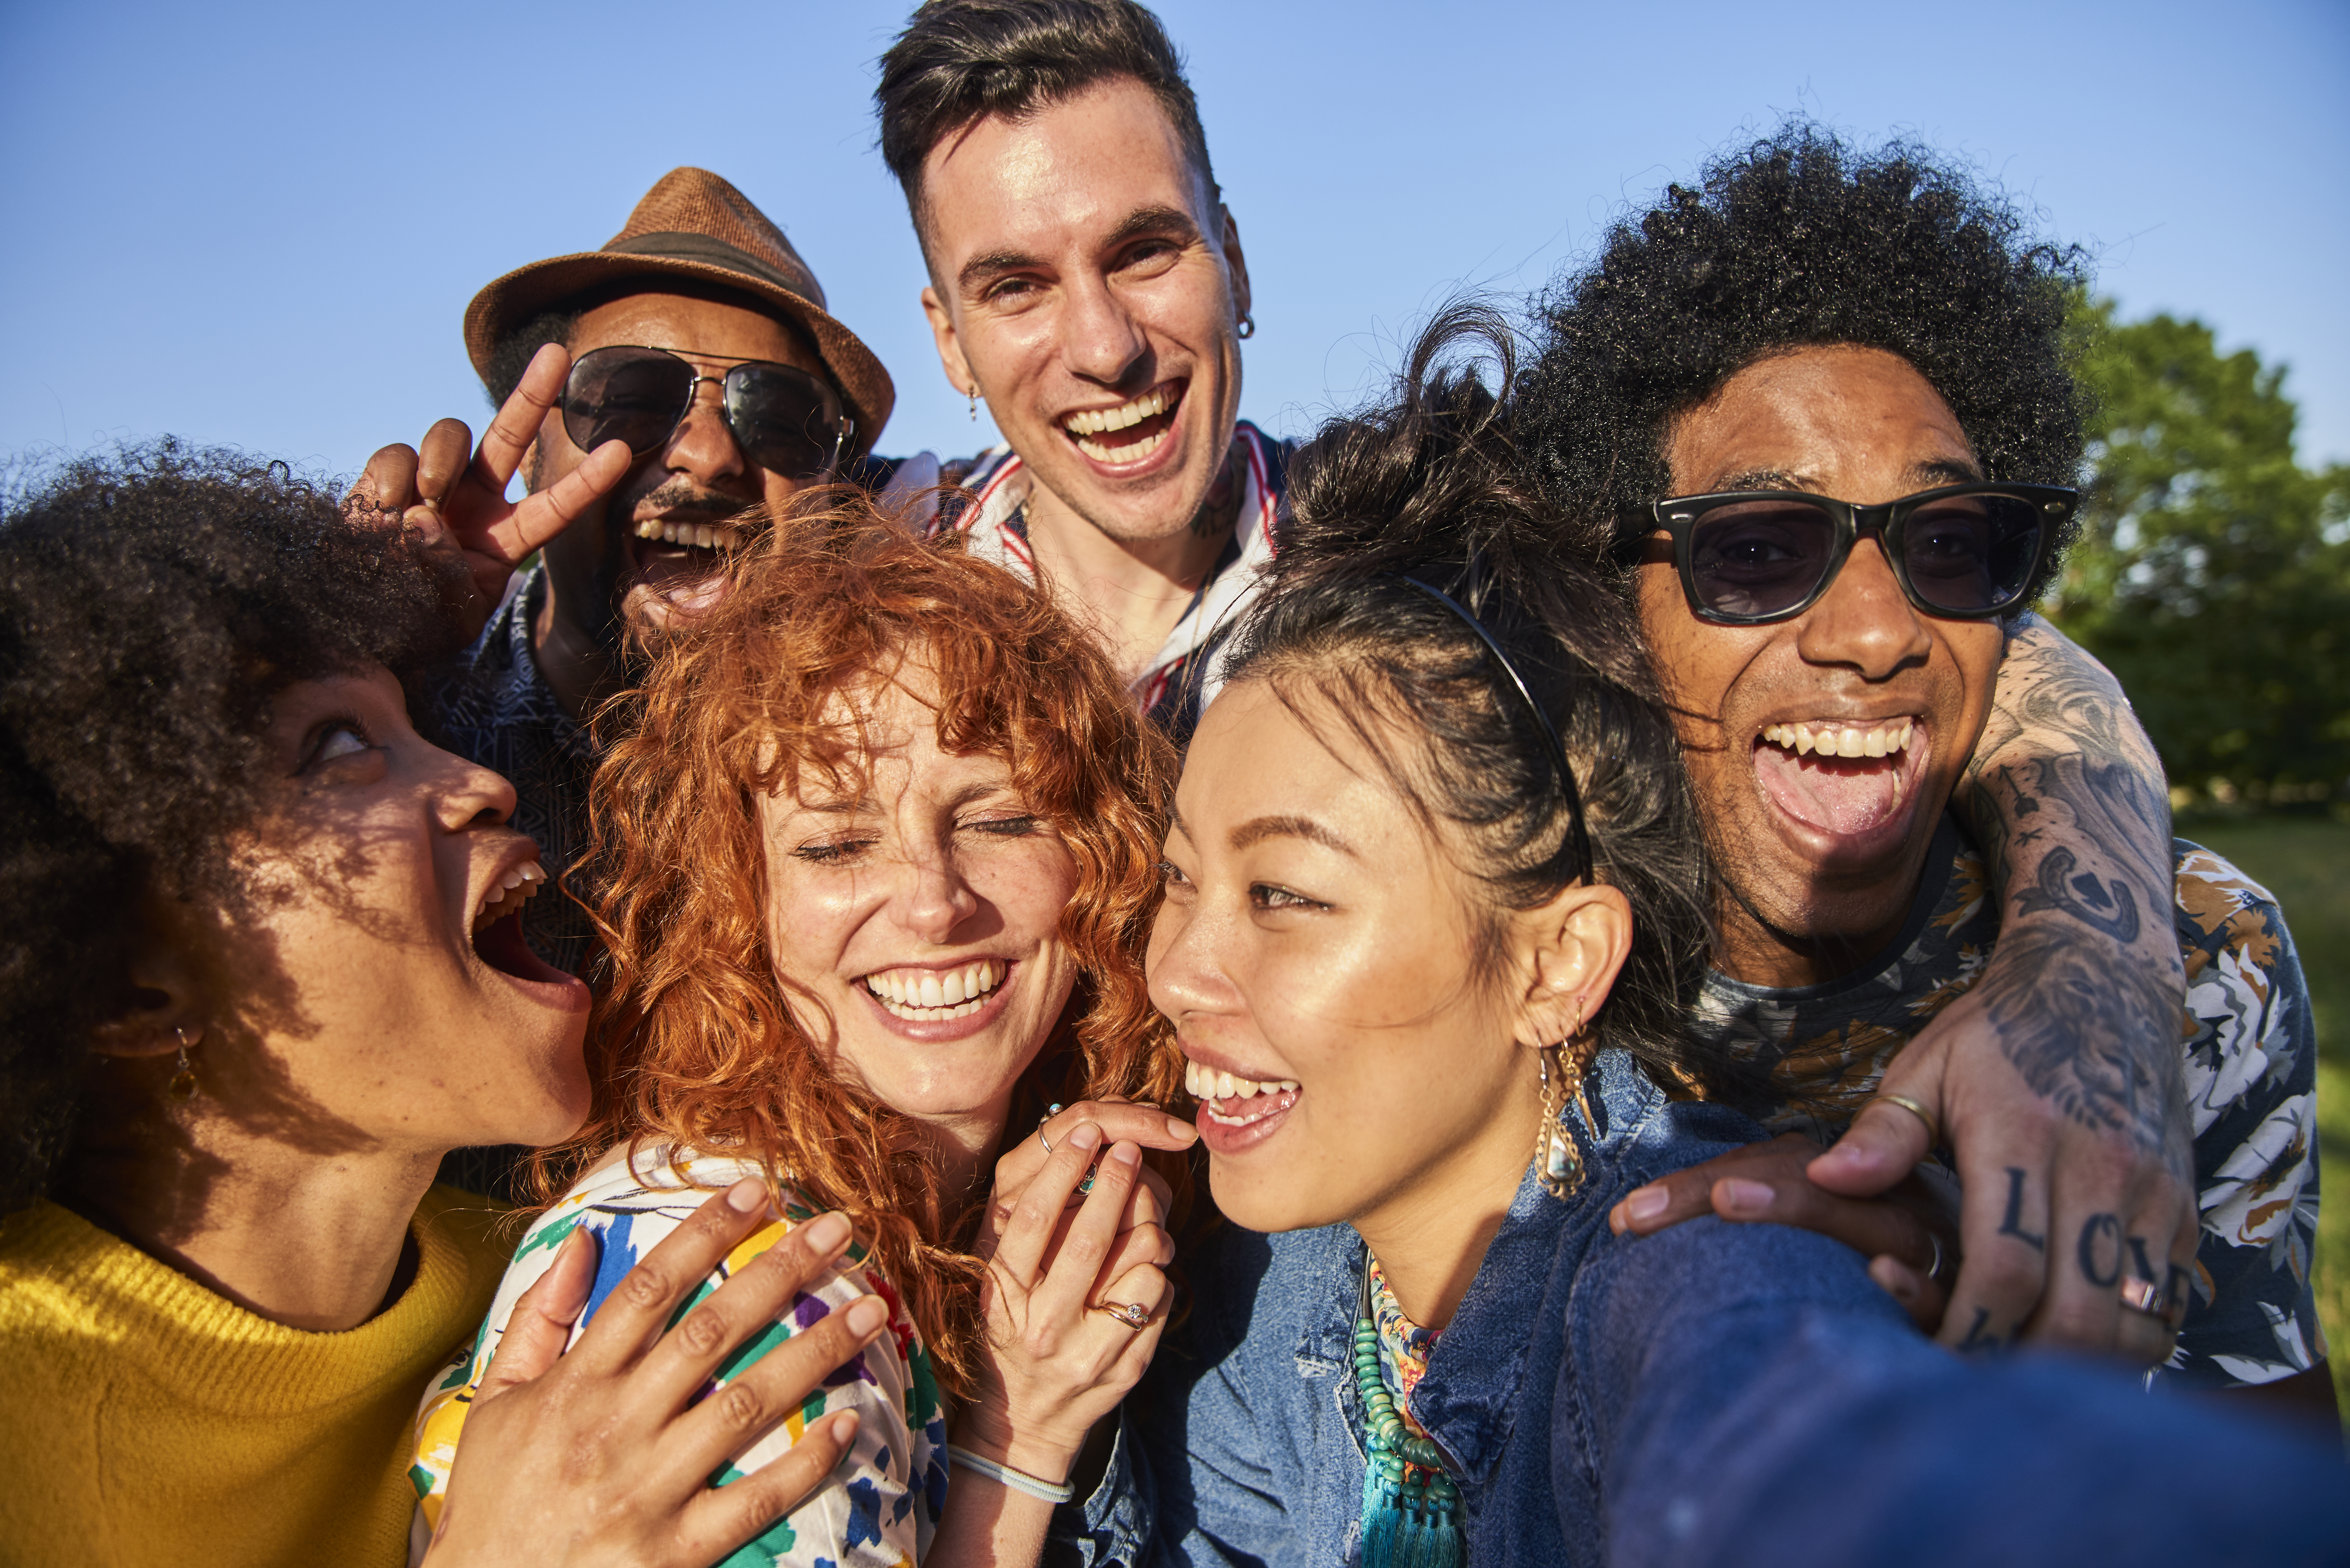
<point x="182" y="1087"/>
<point x="1558" y="1163"/>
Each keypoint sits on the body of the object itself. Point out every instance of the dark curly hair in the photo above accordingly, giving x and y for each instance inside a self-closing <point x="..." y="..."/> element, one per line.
<point x="152" y="602"/>
<point x="1425" y="486"/>
<point x="1799" y="240"/>
<point x="959" y="61"/>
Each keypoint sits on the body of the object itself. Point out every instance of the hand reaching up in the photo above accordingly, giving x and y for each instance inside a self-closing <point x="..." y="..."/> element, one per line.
<point x="454" y="494"/>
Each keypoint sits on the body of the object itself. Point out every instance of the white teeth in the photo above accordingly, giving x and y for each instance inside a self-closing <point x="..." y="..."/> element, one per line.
<point x="514" y="888"/>
<point x="925" y="995"/>
<point x="1132" y="451"/>
<point x="1095" y="421"/>
<point x="699" y="535"/>
<point x="1843" y="740"/>
<point x="1214" y="1084"/>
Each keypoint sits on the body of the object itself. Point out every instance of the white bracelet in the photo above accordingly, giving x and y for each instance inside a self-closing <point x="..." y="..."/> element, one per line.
<point x="1018" y="1480"/>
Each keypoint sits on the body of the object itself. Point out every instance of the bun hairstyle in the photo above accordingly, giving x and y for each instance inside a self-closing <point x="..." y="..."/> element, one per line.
<point x="1419" y="497"/>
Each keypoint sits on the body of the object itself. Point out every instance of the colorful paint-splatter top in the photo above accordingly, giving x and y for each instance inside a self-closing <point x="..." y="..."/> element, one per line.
<point x="883" y="1500"/>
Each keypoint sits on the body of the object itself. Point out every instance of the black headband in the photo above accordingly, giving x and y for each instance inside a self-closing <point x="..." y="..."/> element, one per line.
<point x="1585" y="866"/>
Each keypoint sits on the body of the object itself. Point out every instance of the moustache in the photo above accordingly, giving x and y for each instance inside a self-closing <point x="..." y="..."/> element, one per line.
<point x="682" y="501"/>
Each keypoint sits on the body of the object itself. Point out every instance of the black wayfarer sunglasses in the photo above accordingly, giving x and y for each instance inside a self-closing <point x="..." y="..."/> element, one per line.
<point x="785" y="419"/>
<point x="1747" y="556"/>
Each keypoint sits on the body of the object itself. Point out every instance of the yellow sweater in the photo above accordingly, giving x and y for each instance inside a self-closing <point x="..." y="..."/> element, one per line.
<point x="145" y="1420"/>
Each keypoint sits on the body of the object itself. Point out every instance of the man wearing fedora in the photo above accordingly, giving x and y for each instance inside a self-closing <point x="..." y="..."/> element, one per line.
<point x="682" y="373"/>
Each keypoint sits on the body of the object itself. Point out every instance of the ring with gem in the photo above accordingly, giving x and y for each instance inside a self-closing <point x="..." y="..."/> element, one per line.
<point x="1134" y="1314"/>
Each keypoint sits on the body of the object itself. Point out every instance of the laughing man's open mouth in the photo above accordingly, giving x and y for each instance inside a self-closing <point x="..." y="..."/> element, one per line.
<point x="1130" y="431"/>
<point x="1839" y="776"/>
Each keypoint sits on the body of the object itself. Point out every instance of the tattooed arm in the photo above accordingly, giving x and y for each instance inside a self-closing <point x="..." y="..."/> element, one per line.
<point x="2058" y="1078"/>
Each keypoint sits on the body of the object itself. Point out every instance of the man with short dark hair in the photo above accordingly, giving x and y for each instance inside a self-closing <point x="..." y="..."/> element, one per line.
<point x="1820" y="409"/>
<point x="649" y="392"/>
<point x="1088" y="282"/>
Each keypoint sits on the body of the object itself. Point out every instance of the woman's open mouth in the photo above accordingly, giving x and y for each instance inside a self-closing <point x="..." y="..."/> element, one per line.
<point x="1130" y="433"/>
<point x="1853" y="780"/>
<point x="1237" y="1113"/>
<point x="933" y="995"/>
<point x="496" y="931"/>
<point x="937" y="1004"/>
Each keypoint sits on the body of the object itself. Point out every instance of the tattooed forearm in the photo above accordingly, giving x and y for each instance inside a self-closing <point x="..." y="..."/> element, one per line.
<point x="2073" y="1023"/>
<point x="2068" y="799"/>
<point x="2055" y="699"/>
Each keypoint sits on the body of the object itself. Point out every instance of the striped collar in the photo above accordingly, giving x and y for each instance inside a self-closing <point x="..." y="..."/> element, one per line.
<point x="996" y="526"/>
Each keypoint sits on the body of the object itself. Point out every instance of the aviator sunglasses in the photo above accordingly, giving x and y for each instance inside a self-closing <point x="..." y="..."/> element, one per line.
<point x="785" y="419"/>
<point x="1968" y="552"/>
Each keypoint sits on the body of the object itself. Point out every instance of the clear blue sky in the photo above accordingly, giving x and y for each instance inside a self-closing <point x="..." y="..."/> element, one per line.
<point x="259" y="223"/>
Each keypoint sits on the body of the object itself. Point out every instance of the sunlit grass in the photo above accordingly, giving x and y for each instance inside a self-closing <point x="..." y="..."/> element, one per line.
<point x="2307" y="863"/>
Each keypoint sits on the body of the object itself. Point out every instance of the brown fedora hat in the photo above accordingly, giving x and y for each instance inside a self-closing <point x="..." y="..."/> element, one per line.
<point x="693" y="224"/>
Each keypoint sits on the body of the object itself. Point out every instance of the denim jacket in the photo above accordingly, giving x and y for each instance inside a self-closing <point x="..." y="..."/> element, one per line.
<point x="1716" y="1393"/>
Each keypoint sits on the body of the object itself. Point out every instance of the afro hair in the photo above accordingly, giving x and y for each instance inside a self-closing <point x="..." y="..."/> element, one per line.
<point x="152" y="603"/>
<point x="1799" y="240"/>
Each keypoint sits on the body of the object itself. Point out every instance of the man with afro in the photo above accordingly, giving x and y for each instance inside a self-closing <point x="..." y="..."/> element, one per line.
<point x="1819" y="411"/>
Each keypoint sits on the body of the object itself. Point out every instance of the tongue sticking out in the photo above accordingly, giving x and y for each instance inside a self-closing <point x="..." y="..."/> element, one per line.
<point x="1844" y="795"/>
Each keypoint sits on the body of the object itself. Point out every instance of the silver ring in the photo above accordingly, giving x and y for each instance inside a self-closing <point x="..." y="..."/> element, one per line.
<point x="1050" y="1112"/>
<point x="1934" y="1269"/>
<point x="2142" y="1296"/>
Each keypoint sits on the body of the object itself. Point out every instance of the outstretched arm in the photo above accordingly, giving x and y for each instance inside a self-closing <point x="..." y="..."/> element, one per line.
<point x="2057" y="1078"/>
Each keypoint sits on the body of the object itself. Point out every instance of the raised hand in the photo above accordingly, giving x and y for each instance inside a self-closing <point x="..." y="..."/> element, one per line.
<point x="600" y="1455"/>
<point x="1057" y="1359"/>
<point x="1908" y="1235"/>
<point x="1127" y="1120"/>
<point x="452" y="494"/>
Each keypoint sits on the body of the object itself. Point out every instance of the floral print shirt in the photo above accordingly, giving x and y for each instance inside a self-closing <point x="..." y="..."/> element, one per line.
<point x="2250" y="1049"/>
<point x="882" y="1502"/>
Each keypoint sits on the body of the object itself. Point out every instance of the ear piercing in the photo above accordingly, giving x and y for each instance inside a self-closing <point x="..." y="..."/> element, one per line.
<point x="183" y="1087"/>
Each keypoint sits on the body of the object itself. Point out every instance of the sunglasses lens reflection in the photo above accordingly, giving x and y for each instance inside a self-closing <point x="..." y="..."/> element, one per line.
<point x="1968" y="554"/>
<point x="635" y="395"/>
<point x="787" y="421"/>
<point x="1754" y="558"/>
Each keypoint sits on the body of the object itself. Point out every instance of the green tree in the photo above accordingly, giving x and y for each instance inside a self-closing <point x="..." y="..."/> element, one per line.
<point x="2214" y="571"/>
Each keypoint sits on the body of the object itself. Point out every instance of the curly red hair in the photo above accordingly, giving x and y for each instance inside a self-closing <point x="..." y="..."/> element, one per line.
<point x="692" y="1042"/>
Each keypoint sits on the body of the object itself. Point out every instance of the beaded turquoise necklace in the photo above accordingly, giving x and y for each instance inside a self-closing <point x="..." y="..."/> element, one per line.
<point x="1411" y="1509"/>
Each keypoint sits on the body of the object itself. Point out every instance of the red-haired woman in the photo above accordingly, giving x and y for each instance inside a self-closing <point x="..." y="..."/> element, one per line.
<point x="878" y="860"/>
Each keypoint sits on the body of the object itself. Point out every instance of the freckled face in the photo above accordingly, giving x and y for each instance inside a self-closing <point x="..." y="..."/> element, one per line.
<point x="915" y="917"/>
<point x="1822" y="847"/>
<point x="1314" y="949"/>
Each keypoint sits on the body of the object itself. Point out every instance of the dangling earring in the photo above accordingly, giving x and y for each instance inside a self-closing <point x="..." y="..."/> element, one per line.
<point x="1558" y="1162"/>
<point x="973" y="393"/>
<point x="1247" y="329"/>
<point x="183" y="1087"/>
